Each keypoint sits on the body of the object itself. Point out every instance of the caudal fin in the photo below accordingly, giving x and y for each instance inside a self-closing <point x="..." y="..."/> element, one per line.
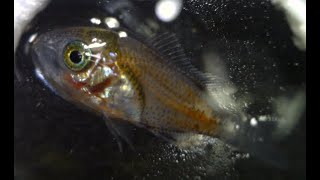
<point x="254" y="138"/>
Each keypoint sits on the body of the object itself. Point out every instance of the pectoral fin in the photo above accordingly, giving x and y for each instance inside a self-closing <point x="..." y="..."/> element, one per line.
<point x="121" y="131"/>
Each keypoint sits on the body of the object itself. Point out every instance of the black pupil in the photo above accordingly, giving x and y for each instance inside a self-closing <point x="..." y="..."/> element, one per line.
<point x="75" y="57"/>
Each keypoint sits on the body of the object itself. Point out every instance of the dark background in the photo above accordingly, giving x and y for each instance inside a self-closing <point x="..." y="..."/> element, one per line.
<point x="54" y="139"/>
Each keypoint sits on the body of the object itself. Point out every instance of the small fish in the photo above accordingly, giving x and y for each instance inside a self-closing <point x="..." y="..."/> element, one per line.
<point x="124" y="79"/>
<point x="150" y="84"/>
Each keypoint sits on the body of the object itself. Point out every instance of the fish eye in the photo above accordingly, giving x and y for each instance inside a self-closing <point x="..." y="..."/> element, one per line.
<point x="76" y="56"/>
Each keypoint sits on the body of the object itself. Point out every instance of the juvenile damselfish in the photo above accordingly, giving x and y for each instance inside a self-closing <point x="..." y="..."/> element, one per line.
<point x="150" y="84"/>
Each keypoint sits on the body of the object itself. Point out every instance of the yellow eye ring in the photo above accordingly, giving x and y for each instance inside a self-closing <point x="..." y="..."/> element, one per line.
<point x="76" y="56"/>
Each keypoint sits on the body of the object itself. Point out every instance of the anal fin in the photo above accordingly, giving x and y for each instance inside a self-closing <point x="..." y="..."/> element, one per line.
<point x="165" y="135"/>
<point x="182" y="140"/>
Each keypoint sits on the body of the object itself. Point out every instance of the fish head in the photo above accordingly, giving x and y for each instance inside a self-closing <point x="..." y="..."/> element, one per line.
<point x="77" y="62"/>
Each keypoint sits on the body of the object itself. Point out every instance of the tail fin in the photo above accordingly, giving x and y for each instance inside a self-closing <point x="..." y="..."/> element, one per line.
<point x="254" y="138"/>
<point x="259" y="136"/>
<point x="246" y="134"/>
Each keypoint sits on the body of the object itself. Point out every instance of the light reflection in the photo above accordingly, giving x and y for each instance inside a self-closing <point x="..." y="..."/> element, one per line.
<point x="295" y="11"/>
<point x="122" y="34"/>
<point x="95" y="21"/>
<point x="94" y="40"/>
<point x="81" y="77"/>
<point x="106" y="93"/>
<point x="111" y="22"/>
<point x="95" y="45"/>
<point x="262" y="118"/>
<point x="107" y="71"/>
<point x="32" y="37"/>
<point x="98" y="56"/>
<point x="39" y="74"/>
<point x="113" y="54"/>
<point x="125" y="88"/>
<point x="168" y="10"/>
<point x="253" y="122"/>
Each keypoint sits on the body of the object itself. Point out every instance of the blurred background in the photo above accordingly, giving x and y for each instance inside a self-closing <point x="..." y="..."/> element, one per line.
<point x="257" y="45"/>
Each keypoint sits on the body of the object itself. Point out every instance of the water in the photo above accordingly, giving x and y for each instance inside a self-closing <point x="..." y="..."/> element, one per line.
<point x="249" y="42"/>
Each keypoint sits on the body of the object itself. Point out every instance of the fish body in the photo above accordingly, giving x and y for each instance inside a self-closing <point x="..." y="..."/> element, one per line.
<point x="149" y="84"/>
<point x="126" y="79"/>
<point x="171" y="101"/>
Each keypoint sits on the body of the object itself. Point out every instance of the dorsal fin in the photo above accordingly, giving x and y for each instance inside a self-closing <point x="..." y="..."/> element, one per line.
<point x="168" y="46"/>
